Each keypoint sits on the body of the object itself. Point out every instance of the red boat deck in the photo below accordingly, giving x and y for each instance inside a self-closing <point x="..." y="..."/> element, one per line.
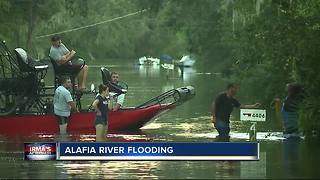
<point x="82" y="122"/>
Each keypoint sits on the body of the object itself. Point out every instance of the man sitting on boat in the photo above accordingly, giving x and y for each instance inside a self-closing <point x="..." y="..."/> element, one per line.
<point x="63" y="57"/>
<point x="119" y="100"/>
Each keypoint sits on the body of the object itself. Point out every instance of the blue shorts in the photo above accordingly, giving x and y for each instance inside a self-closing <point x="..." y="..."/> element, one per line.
<point x="222" y="127"/>
<point x="101" y="120"/>
<point x="290" y="122"/>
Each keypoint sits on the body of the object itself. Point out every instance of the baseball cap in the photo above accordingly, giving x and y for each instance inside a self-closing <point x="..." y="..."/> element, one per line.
<point x="55" y="38"/>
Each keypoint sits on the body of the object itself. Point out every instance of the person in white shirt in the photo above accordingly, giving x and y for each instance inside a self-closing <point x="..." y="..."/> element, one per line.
<point x="63" y="104"/>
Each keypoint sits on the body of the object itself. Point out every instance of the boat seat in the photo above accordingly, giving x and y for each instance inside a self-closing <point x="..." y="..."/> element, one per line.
<point x="28" y="64"/>
<point x="120" y="88"/>
<point x="106" y="75"/>
<point x="60" y="71"/>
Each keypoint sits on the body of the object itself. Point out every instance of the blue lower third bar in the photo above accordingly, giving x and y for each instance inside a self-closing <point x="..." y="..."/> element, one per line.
<point x="158" y="151"/>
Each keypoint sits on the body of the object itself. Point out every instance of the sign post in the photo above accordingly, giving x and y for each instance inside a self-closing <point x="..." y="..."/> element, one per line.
<point x="252" y="132"/>
<point x="254" y="116"/>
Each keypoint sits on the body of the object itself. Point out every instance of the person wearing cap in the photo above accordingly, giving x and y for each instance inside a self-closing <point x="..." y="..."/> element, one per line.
<point x="61" y="54"/>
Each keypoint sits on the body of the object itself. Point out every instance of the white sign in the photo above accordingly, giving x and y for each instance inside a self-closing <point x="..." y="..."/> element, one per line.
<point x="253" y="115"/>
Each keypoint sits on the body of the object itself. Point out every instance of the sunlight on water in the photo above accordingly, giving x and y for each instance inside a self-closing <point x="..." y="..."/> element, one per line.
<point x="110" y="170"/>
<point x="129" y="137"/>
<point x="155" y="125"/>
<point x="87" y="138"/>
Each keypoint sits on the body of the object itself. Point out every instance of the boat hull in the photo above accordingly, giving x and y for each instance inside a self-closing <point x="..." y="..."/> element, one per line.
<point x="82" y="122"/>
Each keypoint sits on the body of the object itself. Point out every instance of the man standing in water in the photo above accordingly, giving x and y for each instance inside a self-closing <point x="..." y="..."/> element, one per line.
<point x="222" y="107"/>
<point x="63" y="104"/>
<point x="290" y="108"/>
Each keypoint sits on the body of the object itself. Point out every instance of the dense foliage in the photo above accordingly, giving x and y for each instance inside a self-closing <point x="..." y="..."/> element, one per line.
<point x="276" y="43"/>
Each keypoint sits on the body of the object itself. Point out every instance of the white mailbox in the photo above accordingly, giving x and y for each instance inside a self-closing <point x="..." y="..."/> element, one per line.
<point x="253" y="115"/>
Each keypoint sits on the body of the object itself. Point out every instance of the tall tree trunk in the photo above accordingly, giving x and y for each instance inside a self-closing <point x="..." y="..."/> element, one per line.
<point x="31" y="22"/>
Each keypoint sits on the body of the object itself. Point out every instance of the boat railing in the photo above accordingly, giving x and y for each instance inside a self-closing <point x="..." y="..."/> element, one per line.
<point x="172" y="97"/>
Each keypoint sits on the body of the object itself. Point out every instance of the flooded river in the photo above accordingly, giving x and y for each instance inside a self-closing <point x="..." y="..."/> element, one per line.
<point x="190" y="122"/>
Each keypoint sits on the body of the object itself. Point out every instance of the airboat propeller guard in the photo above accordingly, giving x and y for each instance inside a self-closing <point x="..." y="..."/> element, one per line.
<point x="21" y="80"/>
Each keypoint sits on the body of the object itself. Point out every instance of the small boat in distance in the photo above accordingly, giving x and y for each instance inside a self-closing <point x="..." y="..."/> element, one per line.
<point x="186" y="61"/>
<point x="149" y="61"/>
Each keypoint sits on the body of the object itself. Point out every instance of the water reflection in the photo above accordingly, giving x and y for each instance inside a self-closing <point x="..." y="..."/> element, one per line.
<point x="109" y="169"/>
<point x="228" y="169"/>
<point x="152" y="70"/>
<point x="187" y="73"/>
<point x="167" y="87"/>
<point x="256" y="169"/>
<point x="291" y="149"/>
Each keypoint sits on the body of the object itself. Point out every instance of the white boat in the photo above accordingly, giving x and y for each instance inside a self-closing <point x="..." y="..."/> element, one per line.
<point x="186" y="61"/>
<point x="167" y="66"/>
<point x="148" y="61"/>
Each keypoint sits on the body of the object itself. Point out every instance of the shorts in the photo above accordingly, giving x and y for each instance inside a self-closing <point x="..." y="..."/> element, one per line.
<point x="101" y="120"/>
<point x="222" y="127"/>
<point x="63" y="120"/>
<point x="74" y="68"/>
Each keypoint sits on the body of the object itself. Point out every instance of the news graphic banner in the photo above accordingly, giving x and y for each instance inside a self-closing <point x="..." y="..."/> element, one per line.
<point x="143" y="151"/>
<point x="40" y="151"/>
<point x="253" y="115"/>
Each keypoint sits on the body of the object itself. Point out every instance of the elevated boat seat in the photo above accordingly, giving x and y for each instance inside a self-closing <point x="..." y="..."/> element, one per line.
<point x="60" y="71"/>
<point x="28" y="64"/>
